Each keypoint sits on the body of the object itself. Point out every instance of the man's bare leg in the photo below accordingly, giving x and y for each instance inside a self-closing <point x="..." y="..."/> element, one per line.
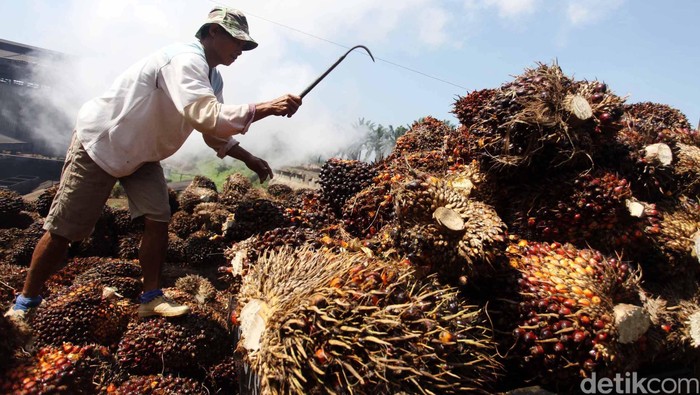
<point x="154" y="246"/>
<point x="49" y="252"/>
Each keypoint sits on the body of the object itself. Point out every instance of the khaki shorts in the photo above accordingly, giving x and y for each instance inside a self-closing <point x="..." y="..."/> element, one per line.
<point x="85" y="188"/>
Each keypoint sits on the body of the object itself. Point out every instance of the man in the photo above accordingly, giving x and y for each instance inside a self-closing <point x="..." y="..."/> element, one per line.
<point x="145" y="117"/>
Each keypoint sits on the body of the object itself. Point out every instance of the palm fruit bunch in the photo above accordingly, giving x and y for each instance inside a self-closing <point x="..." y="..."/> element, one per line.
<point x="82" y="314"/>
<point x="128" y="246"/>
<point x="9" y="344"/>
<point x="42" y="205"/>
<point x="11" y="205"/>
<point x="674" y="335"/>
<point x="673" y="242"/>
<point x="203" y="248"/>
<point x="365" y="213"/>
<point x="347" y="323"/>
<point x="124" y="276"/>
<point x="426" y="134"/>
<point x="176" y="249"/>
<point x="211" y="217"/>
<point x="173" y="201"/>
<point x="224" y="375"/>
<point x="158" y="385"/>
<point x="200" y="289"/>
<point x="200" y="190"/>
<point x="182" y="225"/>
<point x="102" y="242"/>
<point x="64" y="369"/>
<point x="123" y="223"/>
<point x="577" y="313"/>
<point x="658" y="150"/>
<point x="253" y="217"/>
<point x="280" y="191"/>
<point x="340" y="179"/>
<point x="472" y="109"/>
<point x="305" y="208"/>
<point x="234" y="188"/>
<point x="202" y="297"/>
<point x="65" y="276"/>
<point x="540" y="121"/>
<point x="11" y="282"/>
<point x="21" y="250"/>
<point x="186" y="346"/>
<point x="278" y="238"/>
<point x="591" y="208"/>
<point x="441" y="229"/>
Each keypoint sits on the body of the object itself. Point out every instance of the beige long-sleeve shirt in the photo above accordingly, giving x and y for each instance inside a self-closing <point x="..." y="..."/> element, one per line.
<point x="152" y="108"/>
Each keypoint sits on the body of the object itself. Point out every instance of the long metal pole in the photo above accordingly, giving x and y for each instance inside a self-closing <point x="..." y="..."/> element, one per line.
<point x="319" y="79"/>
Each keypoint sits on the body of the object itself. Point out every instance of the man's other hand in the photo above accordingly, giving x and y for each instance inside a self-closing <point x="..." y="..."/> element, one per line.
<point x="260" y="167"/>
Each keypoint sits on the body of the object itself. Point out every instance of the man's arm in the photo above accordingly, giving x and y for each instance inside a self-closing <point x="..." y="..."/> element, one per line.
<point x="259" y="166"/>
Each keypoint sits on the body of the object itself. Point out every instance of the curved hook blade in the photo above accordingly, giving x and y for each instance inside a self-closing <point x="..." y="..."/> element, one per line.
<point x="337" y="62"/>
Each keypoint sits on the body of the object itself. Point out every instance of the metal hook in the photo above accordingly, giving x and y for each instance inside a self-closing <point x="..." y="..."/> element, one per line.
<point x="310" y="87"/>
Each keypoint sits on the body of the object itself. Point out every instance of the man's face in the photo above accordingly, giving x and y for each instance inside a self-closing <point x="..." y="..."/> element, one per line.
<point x="227" y="48"/>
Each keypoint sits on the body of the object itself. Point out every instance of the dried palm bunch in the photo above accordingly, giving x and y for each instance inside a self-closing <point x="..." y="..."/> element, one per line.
<point x="658" y="151"/>
<point x="672" y="243"/>
<point x="440" y="227"/>
<point x="346" y="323"/>
<point x="11" y="204"/>
<point x="577" y="313"/>
<point x="182" y="224"/>
<point x="253" y="217"/>
<point x="200" y="190"/>
<point x="233" y="190"/>
<point x="280" y="191"/>
<point x="43" y="202"/>
<point x="203" y="248"/>
<point x="541" y="121"/>
<point x="64" y="369"/>
<point x="674" y="337"/>
<point x="426" y="134"/>
<point x="11" y="282"/>
<point x="211" y="217"/>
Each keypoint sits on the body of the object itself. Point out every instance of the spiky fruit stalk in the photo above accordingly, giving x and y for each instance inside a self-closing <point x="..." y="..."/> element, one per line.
<point x="440" y="227"/>
<point x="321" y="322"/>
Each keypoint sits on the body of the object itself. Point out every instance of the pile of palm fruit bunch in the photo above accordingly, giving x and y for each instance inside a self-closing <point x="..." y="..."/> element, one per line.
<point x="553" y="234"/>
<point x="323" y="322"/>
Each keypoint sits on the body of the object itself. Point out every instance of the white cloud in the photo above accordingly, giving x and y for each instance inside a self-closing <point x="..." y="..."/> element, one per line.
<point x="507" y="9"/>
<point x="586" y="12"/>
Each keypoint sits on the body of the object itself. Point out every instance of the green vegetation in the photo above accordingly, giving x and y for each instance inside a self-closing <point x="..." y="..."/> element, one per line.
<point x="217" y="170"/>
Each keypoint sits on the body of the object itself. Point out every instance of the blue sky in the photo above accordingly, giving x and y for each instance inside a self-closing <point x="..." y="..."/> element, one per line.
<point x="645" y="50"/>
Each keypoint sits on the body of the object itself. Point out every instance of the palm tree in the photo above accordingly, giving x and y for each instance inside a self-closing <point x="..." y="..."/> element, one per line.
<point x="391" y="136"/>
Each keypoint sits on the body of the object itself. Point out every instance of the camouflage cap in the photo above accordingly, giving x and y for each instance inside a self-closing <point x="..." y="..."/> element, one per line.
<point x="233" y="21"/>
